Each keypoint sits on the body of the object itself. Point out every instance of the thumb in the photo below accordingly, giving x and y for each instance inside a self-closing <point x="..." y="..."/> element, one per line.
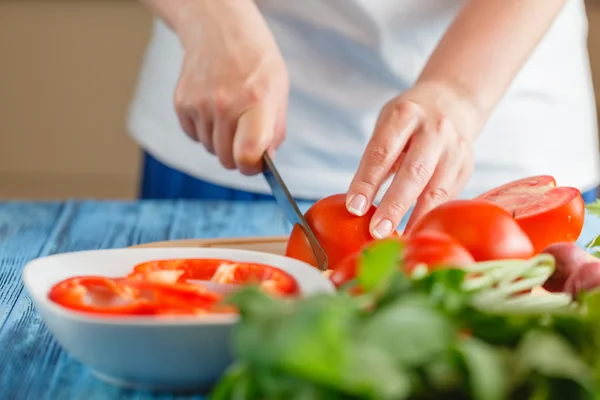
<point x="254" y="134"/>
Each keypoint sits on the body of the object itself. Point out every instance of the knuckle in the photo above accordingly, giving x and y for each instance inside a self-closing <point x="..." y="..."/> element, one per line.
<point x="378" y="155"/>
<point x="405" y="107"/>
<point x="437" y="195"/>
<point x="253" y="94"/>
<point x="396" y="208"/>
<point x="222" y="101"/>
<point x="417" y="172"/>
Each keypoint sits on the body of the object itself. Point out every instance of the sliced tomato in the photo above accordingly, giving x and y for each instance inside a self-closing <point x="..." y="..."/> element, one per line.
<point x="339" y="232"/>
<point x="547" y="213"/>
<point x="429" y="248"/>
<point x="100" y="295"/>
<point x="270" y="279"/>
<point x="484" y="229"/>
<point x="177" y="270"/>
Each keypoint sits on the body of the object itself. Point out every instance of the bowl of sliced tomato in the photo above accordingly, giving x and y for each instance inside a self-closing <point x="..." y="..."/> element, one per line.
<point x="156" y="318"/>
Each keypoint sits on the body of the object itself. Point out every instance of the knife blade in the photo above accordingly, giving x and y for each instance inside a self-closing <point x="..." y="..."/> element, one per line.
<point x="290" y="208"/>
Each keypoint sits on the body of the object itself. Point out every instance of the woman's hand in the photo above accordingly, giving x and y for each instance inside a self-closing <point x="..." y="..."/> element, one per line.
<point x="233" y="88"/>
<point x="425" y="137"/>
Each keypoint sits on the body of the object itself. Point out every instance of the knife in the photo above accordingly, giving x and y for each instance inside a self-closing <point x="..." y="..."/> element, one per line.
<point x="290" y="208"/>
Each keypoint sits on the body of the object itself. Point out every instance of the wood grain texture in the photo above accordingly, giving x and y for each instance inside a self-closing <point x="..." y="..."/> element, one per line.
<point x="32" y="365"/>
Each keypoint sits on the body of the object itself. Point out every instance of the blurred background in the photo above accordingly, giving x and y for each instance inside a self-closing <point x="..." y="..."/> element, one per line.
<point x="69" y="68"/>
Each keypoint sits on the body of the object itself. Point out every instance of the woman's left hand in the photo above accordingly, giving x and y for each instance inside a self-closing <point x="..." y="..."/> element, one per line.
<point x="425" y="138"/>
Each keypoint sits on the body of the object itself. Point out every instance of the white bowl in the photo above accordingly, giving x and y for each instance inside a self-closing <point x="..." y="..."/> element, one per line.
<point x="179" y="354"/>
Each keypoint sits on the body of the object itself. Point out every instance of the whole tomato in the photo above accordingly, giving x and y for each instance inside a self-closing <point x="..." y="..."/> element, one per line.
<point x="339" y="232"/>
<point x="486" y="230"/>
<point x="429" y="248"/>
<point x="434" y="249"/>
<point x="546" y="212"/>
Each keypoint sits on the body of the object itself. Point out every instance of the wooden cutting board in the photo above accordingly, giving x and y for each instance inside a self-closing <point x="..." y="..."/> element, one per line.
<point x="267" y="244"/>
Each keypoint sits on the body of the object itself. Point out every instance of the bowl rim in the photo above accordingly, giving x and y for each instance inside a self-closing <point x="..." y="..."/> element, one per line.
<point x="44" y="303"/>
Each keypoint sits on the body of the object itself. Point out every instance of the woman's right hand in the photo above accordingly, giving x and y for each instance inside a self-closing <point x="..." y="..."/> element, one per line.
<point x="233" y="88"/>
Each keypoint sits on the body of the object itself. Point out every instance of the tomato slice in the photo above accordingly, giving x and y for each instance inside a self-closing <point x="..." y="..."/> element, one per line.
<point x="270" y="279"/>
<point x="338" y="232"/>
<point x="486" y="230"/>
<point x="429" y="248"/>
<point x="547" y="213"/>
<point x="110" y="296"/>
<point x="100" y="295"/>
<point x="177" y="270"/>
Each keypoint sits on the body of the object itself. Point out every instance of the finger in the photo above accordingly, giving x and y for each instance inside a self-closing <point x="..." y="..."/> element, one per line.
<point x="254" y="135"/>
<point x="393" y="130"/>
<point x="222" y="139"/>
<point x="279" y="133"/>
<point x="410" y="180"/>
<point x="188" y="126"/>
<point x="204" y="131"/>
<point x="441" y="188"/>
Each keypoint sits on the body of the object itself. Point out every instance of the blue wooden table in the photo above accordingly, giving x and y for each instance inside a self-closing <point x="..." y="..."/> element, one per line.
<point x="32" y="365"/>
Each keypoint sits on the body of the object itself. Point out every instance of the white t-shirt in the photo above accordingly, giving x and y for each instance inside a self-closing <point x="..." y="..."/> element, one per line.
<point x="347" y="58"/>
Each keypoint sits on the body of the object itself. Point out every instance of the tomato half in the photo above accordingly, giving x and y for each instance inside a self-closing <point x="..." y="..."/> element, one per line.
<point x="487" y="231"/>
<point x="547" y="213"/>
<point x="338" y="232"/>
<point x="429" y="248"/>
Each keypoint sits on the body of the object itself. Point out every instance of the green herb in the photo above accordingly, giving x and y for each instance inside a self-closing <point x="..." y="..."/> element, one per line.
<point x="408" y="339"/>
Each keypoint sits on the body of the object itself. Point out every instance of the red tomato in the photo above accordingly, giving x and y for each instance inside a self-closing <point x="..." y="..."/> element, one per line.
<point x="487" y="231"/>
<point x="547" y="213"/>
<point x="434" y="249"/>
<point x="429" y="248"/>
<point x="339" y="232"/>
<point x="270" y="279"/>
<point x="99" y="295"/>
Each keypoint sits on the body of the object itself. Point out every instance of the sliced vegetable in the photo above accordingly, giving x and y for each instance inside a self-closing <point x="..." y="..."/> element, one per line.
<point x="339" y="232"/>
<point x="100" y="295"/>
<point x="271" y="279"/>
<point x="547" y="213"/>
<point x="167" y="287"/>
<point x="484" y="229"/>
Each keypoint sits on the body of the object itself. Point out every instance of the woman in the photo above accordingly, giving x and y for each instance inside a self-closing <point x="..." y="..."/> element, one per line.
<point x="447" y="97"/>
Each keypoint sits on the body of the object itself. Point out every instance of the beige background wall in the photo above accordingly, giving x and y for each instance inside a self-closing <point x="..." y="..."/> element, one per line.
<point x="67" y="71"/>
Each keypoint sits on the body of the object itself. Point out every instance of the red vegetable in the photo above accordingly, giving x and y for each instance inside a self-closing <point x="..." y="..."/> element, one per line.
<point x="162" y="288"/>
<point x="547" y="213"/>
<point x="339" y="232"/>
<point x="271" y="279"/>
<point x="487" y="231"/>
<point x="429" y="248"/>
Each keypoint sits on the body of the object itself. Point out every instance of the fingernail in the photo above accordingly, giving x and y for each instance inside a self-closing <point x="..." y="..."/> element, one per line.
<point x="383" y="229"/>
<point x="357" y="205"/>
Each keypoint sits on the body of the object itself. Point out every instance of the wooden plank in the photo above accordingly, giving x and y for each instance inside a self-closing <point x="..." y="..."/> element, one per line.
<point x="268" y="244"/>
